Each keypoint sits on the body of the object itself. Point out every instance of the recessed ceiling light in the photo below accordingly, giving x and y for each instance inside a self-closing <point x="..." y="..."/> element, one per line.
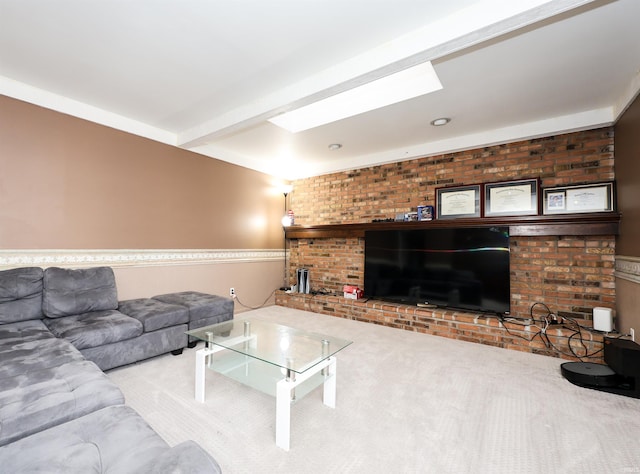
<point x="407" y="84"/>
<point x="439" y="122"/>
<point x="335" y="146"/>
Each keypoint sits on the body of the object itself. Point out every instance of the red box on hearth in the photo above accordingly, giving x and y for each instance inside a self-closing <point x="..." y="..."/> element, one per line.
<point x="352" y="292"/>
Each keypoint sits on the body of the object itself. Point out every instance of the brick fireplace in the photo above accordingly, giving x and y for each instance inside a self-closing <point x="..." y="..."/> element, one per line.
<point x="569" y="274"/>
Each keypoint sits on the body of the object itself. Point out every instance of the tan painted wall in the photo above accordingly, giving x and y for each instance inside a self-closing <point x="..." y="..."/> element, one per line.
<point x="69" y="183"/>
<point x="627" y="153"/>
<point x="254" y="282"/>
<point x="627" y="304"/>
<point x="66" y="183"/>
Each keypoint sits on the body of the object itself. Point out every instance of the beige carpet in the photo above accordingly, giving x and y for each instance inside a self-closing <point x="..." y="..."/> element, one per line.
<point x="406" y="403"/>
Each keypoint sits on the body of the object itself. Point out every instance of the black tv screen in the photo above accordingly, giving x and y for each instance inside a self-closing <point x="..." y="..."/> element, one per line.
<point x="466" y="268"/>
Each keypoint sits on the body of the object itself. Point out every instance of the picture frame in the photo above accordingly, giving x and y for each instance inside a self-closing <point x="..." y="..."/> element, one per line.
<point x="455" y="202"/>
<point x="595" y="197"/>
<point x="512" y="198"/>
<point x="411" y="216"/>
<point x="425" y="213"/>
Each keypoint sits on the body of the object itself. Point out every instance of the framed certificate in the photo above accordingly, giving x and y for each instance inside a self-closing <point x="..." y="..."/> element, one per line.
<point x="598" y="197"/>
<point x="459" y="201"/>
<point x="511" y="198"/>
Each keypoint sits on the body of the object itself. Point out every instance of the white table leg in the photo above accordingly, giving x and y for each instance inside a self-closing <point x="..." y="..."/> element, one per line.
<point x="283" y="413"/>
<point x="329" y="388"/>
<point x="201" y="370"/>
<point x="284" y="391"/>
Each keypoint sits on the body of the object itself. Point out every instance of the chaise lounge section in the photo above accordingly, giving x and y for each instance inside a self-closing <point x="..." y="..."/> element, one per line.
<point x="82" y="307"/>
<point x="204" y="309"/>
<point x="59" y="412"/>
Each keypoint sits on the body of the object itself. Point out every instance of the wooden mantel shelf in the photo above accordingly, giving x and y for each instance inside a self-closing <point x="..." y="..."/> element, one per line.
<point x="601" y="223"/>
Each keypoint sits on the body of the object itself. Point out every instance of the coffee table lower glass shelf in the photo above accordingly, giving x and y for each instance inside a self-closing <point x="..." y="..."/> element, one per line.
<point x="281" y="361"/>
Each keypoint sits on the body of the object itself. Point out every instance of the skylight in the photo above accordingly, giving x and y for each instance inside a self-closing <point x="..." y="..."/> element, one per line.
<point x="403" y="85"/>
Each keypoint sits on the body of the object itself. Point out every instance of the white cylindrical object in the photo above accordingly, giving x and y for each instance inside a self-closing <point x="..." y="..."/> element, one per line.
<point x="603" y="319"/>
<point x="303" y="280"/>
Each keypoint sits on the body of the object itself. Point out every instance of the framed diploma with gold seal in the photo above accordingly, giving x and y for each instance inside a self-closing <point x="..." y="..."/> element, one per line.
<point x="511" y="198"/>
<point x="458" y="201"/>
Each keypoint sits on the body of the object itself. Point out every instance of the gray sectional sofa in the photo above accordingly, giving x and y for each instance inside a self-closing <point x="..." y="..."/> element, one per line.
<point x="59" y="412"/>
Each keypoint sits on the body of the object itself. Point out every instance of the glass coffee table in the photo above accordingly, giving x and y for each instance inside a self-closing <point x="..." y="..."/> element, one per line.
<point x="282" y="361"/>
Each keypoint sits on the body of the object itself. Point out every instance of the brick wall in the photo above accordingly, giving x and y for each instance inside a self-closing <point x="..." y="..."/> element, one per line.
<point x="569" y="274"/>
<point x="557" y="341"/>
<point x="380" y="192"/>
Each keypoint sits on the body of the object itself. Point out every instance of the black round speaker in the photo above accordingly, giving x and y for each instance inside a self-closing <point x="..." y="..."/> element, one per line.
<point x="588" y="374"/>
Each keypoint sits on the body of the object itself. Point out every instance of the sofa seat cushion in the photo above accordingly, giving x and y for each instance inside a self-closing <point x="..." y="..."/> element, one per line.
<point x="201" y="305"/>
<point x="22" y="331"/>
<point x="114" y="439"/>
<point x="24" y="357"/>
<point x="20" y="294"/>
<point x="96" y="328"/>
<point x="39" y="399"/>
<point x="68" y="292"/>
<point x="154" y="314"/>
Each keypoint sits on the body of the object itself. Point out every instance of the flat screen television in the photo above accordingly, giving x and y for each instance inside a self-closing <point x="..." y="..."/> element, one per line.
<point x="465" y="268"/>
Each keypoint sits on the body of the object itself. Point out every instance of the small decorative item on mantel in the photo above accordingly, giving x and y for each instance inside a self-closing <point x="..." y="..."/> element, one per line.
<point x="425" y="213"/>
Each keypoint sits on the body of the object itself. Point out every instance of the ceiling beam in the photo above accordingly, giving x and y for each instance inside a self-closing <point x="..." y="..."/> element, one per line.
<point x="484" y="21"/>
<point x="59" y="103"/>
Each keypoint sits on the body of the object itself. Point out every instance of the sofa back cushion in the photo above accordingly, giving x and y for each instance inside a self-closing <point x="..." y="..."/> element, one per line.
<point x="20" y="294"/>
<point x="68" y="292"/>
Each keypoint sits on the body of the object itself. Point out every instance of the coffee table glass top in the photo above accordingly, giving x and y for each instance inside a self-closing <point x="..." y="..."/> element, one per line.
<point x="280" y="345"/>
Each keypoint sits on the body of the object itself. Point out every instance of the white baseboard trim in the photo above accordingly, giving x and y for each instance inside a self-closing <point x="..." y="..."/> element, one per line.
<point x="139" y="257"/>
<point x="628" y="268"/>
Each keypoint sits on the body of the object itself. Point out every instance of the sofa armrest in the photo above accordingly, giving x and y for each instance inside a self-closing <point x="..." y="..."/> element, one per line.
<point x="186" y="457"/>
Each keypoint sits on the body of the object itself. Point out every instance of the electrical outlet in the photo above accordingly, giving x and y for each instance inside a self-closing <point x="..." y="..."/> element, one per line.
<point x="633" y="334"/>
<point x="232" y="292"/>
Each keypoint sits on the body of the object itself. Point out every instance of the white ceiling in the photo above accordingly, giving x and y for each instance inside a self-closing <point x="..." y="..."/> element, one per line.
<point x="206" y="75"/>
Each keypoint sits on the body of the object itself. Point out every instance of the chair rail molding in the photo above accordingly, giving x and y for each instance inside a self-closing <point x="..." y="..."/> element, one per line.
<point x="627" y="268"/>
<point x="77" y="258"/>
